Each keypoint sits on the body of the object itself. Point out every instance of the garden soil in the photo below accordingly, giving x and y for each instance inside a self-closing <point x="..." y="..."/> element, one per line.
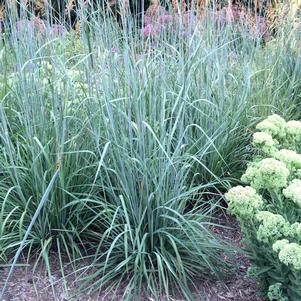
<point x="25" y="285"/>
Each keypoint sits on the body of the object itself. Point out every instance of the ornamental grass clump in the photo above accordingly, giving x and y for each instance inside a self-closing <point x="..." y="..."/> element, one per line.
<point x="269" y="209"/>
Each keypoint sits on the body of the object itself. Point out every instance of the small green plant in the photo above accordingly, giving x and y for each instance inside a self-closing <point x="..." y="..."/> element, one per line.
<point x="269" y="209"/>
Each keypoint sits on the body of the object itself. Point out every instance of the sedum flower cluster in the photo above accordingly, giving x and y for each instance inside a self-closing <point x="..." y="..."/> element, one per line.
<point x="272" y="226"/>
<point x="285" y="134"/>
<point x="269" y="209"/>
<point x="290" y="158"/>
<point x="275" y="292"/>
<point x="268" y="173"/>
<point x="243" y="202"/>
<point x="279" y="245"/>
<point x="293" y="128"/>
<point x="293" y="132"/>
<point x="288" y="253"/>
<point x="295" y="231"/>
<point x="273" y="125"/>
<point x="265" y="142"/>
<point x="293" y="192"/>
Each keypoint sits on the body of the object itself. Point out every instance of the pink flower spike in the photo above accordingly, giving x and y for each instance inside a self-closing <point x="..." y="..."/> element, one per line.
<point x="149" y="30"/>
<point x="147" y="20"/>
<point x="165" y="19"/>
<point x="23" y="24"/>
<point x="57" y="30"/>
<point x="114" y="50"/>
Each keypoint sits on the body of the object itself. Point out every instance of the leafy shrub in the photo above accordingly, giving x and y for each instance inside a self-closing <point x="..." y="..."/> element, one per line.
<point x="269" y="209"/>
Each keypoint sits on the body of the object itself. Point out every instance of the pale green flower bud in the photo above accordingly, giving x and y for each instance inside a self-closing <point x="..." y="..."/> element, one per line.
<point x="253" y="271"/>
<point x="279" y="245"/>
<point x="292" y="139"/>
<point x="275" y="292"/>
<point x="290" y="255"/>
<point x="267" y="127"/>
<point x="265" y="142"/>
<point x="243" y="201"/>
<point x="293" y="192"/>
<point x="274" y="125"/>
<point x="268" y="173"/>
<point x="273" y="226"/>
<point x="295" y="232"/>
<point x="290" y="158"/>
<point x="293" y="128"/>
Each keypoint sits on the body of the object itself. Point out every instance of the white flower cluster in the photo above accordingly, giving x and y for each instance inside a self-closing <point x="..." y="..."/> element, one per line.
<point x="293" y="191"/>
<point x="268" y="173"/>
<point x="290" y="158"/>
<point x="243" y="201"/>
<point x="272" y="226"/>
<point x="265" y="142"/>
<point x="285" y="134"/>
<point x="288" y="253"/>
<point x="293" y="130"/>
<point x="295" y="232"/>
<point x="273" y="125"/>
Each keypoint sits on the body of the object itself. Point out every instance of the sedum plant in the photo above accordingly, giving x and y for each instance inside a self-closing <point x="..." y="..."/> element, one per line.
<point x="268" y="210"/>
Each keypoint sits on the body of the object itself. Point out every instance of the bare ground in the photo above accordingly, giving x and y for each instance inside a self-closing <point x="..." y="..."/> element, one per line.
<point x="28" y="286"/>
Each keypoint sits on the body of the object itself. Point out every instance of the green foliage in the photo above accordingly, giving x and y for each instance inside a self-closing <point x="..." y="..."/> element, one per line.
<point x="145" y="138"/>
<point x="273" y="236"/>
<point x="275" y="293"/>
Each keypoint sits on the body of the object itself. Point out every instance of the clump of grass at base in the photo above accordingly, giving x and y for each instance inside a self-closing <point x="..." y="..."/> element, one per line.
<point x="148" y="238"/>
<point x="145" y="231"/>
